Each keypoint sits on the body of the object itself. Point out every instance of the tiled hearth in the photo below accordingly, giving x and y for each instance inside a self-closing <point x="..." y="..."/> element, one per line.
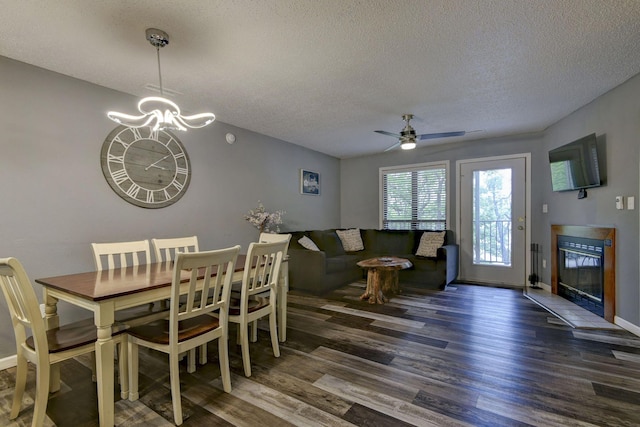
<point x="570" y="313"/>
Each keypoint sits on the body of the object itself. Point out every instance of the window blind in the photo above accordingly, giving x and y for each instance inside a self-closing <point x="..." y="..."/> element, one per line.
<point x="414" y="198"/>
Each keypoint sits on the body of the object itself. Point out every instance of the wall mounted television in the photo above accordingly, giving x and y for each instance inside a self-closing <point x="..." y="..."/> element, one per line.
<point x="574" y="166"/>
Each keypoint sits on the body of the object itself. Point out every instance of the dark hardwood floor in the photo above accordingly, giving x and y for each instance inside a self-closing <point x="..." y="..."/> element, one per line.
<point x="470" y="355"/>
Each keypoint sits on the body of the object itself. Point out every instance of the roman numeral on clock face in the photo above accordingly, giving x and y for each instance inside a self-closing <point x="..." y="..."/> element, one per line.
<point x="115" y="159"/>
<point x="136" y="133"/>
<point x="120" y="141"/>
<point x="133" y="190"/>
<point x="120" y="176"/>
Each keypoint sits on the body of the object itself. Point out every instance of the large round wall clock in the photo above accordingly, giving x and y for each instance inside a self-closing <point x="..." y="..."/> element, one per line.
<point x="146" y="168"/>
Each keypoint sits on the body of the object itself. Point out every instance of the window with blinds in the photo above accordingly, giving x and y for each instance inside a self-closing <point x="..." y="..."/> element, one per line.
<point x="414" y="197"/>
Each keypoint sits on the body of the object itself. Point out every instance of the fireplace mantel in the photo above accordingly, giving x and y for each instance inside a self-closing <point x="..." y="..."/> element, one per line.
<point x="599" y="233"/>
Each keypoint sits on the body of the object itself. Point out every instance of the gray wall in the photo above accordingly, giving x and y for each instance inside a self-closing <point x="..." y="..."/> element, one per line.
<point x="55" y="200"/>
<point x="614" y="117"/>
<point x="360" y="182"/>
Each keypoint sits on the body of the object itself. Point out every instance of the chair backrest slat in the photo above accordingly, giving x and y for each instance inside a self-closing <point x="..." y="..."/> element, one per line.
<point x="166" y="249"/>
<point x="120" y="254"/>
<point x="193" y="271"/>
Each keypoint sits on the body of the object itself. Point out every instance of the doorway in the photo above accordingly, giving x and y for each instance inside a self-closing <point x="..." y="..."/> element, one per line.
<point x="493" y="219"/>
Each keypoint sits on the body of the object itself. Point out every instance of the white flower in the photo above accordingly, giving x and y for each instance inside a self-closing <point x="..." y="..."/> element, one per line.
<point x="263" y="220"/>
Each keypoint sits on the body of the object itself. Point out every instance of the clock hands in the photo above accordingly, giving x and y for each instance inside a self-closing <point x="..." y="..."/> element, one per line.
<point x="155" y="164"/>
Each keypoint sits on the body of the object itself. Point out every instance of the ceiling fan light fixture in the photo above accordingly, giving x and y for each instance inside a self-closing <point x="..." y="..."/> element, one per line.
<point x="407" y="137"/>
<point x="158" y="110"/>
<point x="408" y="145"/>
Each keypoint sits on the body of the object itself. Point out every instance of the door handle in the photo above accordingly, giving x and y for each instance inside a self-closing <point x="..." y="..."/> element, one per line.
<point x="520" y="227"/>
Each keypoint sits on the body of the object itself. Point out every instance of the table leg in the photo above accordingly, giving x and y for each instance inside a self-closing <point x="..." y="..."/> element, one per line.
<point x="282" y="303"/>
<point x="104" y="365"/>
<point x="389" y="282"/>
<point x="52" y="320"/>
<point x="374" y="290"/>
<point x="379" y="282"/>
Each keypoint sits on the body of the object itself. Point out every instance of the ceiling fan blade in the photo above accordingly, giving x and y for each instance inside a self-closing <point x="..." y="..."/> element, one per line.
<point x="439" y="135"/>
<point x="384" y="132"/>
<point x="393" y="146"/>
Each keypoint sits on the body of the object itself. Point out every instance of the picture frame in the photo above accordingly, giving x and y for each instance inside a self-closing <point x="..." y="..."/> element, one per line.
<point x="309" y="182"/>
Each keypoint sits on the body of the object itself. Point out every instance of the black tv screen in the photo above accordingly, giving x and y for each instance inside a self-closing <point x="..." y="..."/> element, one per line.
<point x="575" y="165"/>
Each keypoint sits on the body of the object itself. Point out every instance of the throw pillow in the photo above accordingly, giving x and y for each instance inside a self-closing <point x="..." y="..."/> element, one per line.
<point x="429" y="244"/>
<point x="351" y="240"/>
<point x="307" y="243"/>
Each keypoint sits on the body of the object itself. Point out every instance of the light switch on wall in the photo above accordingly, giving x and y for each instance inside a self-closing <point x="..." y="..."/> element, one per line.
<point x="619" y="202"/>
<point x="631" y="203"/>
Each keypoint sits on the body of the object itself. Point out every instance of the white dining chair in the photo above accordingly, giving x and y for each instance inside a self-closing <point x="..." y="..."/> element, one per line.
<point x="43" y="347"/>
<point x="260" y="276"/>
<point x="166" y="250"/>
<point x="204" y="278"/>
<point x="284" y="281"/>
<point x="115" y="255"/>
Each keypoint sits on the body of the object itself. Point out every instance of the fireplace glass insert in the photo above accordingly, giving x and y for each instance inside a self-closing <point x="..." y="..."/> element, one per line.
<point x="581" y="273"/>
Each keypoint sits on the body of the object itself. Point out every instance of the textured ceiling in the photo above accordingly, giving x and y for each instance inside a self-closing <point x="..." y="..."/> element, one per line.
<point x="324" y="74"/>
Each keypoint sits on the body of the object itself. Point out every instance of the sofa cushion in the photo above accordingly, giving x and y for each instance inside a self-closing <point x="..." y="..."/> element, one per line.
<point x="351" y="239"/>
<point x="422" y="263"/>
<point x="307" y="243"/>
<point x="390" y="242"/>
<point x="327" y="241"/>
<point x="429" y="243"/>
<point x="448" y="238"/>
<point x="295" y="236"/>
<point x="340" y="263"/>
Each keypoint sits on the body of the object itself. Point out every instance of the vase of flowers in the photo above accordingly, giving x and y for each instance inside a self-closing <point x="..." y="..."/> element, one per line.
<point x="263" y="220"/>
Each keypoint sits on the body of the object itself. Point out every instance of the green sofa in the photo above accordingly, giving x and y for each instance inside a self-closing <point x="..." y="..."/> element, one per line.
<point x="319" y="272"/>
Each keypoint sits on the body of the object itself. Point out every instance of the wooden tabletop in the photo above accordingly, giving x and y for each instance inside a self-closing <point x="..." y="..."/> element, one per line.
<point x="389" y="263"/>
<point x="105" y="284"/>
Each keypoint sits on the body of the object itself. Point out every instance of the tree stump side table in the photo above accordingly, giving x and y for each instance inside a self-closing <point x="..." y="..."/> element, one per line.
<point x="382" y="277"/>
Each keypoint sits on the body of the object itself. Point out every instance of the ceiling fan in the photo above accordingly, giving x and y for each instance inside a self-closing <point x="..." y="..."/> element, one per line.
<point x="407" y="137"/>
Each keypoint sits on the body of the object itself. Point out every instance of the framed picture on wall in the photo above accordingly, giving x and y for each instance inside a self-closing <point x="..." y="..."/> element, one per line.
<point x="309" y="182"/>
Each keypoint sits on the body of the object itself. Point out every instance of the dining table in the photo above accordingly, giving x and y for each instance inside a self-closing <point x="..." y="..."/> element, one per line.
<point x="107" y="291"/>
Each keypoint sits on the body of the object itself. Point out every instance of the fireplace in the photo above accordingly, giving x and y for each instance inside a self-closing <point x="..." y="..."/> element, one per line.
<point x="582" y="267"/>
<point x="580" y="272"/>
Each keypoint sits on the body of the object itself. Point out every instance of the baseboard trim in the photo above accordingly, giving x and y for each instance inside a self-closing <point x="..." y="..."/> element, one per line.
<point x="634" y="329"/>
<point x="8" y="362"/>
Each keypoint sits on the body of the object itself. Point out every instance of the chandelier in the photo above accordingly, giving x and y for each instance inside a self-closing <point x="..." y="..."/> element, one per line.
<point x="159" y="111"/>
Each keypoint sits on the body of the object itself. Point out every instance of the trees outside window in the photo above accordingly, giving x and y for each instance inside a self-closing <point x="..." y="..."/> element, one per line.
<point x="415" y="197"/>
<point x="492" y="216"/>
